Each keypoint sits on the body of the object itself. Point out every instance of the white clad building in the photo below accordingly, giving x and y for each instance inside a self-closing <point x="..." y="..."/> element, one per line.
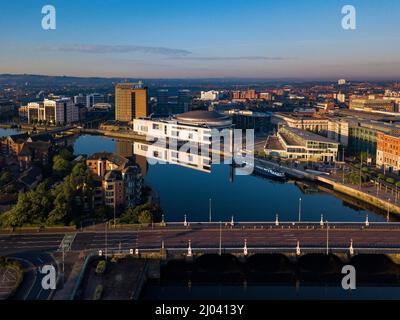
<point x="209" y="95"/>
<point x="55" y="111"/>
<point x="193" y="126"/>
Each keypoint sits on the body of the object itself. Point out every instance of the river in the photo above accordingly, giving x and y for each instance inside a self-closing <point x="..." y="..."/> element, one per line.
<point x="248" y="198"/>
<point x="187" y="191"/>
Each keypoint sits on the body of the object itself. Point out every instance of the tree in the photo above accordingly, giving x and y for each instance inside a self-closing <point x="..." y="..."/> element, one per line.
<point x="5" y="178"/>
<point x="100" y="212"/>
<point x="66" y="153"/>
<point x="130" y="216"/>
<point x="145" y="213"/>
<point x="145" y="217"/>
<point x="61" y="167"/>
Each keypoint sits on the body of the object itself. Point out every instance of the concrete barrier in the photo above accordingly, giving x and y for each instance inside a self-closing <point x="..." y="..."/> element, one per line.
<point x="358" y="194"/>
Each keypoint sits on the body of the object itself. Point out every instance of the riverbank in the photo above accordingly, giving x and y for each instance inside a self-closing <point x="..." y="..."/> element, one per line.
<point x="381" y="201"/>
<point x="375" y="200"/>
<point x="113" y="134"/>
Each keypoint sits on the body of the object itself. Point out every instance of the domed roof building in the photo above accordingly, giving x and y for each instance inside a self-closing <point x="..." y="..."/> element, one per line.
<point x="211" y="119"/>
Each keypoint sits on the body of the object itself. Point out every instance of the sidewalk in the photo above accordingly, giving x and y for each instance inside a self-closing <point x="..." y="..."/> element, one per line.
<point x="74" y="265"/>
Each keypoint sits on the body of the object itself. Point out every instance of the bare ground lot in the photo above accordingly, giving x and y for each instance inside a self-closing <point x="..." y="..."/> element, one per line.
<point x="119" y="280"/>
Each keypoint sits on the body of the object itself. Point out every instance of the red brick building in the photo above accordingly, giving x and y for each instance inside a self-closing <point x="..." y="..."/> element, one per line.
<point x="388" y="150"/>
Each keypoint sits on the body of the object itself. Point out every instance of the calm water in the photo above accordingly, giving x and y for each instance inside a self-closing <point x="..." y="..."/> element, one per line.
<point x="267" y="292"/>
<point x="248" y="198"/>
<point x="7" y="132"/>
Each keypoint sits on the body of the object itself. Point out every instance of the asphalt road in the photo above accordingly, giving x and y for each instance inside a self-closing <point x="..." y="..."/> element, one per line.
<point x="34" y="250"/>
<point x="31" y="287"/>
<point x="201" y="238"/>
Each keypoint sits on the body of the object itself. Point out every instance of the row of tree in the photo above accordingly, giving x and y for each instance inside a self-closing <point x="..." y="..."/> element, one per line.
<point x="53" y="204"/>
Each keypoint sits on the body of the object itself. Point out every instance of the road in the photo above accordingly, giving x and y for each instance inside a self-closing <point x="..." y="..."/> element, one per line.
<point x="34" y="250"/>
<point x="208" y="237"/>
<point x="31" y="287"/>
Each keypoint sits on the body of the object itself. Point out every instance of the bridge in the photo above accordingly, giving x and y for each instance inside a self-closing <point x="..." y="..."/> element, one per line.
<point x="190" y="239"/>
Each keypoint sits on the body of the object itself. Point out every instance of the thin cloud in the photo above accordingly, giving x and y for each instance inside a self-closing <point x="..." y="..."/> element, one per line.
<point x="232" y="58"/>
<point x="97" y="48"/>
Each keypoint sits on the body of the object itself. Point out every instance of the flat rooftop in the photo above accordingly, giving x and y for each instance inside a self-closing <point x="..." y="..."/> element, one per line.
<point x="306" y="135"/>
<point x="273" y="143"/>
<point x="367" y="115"/>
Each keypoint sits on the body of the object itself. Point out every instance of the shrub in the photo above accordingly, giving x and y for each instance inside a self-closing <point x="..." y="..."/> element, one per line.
<point x="101" y="267"/>
<point x="98" y="292"/>
<point x="381" y="176"/>
<point x="365" y="170"/>
<point x="398" y="184"/>
<point x="390" y="180"/>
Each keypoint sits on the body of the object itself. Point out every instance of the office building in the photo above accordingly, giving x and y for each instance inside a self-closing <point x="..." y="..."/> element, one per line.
<point x="302" y="120"/>
<point x="161" y="106"/>
<point x="293" y="143"/>
<point x="209" y="95"/>
<point x="57" y="111"/>
<point x="388" y="151"/>
<point x="193" y="126"/>
<point x="93" y="99"/>
<point x="80" y="99"/>
<point x="131" y="101"/>
<point x="371" y="104"/>
<point x="247" y="119"/>
<point x="184" y="103"/>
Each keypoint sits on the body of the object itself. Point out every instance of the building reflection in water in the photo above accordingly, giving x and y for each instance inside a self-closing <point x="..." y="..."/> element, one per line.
<point x="160" y="154"/>
<point x="145" y="153"/>
<point x="125" y="148"/>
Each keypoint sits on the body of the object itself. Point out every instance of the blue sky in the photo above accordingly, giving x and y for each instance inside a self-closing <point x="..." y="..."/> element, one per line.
<point x="189" y="39"/>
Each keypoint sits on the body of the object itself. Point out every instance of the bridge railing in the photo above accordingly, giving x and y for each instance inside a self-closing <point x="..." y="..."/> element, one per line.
<point x="285" y="224"/>
<point x="256" y="249"/>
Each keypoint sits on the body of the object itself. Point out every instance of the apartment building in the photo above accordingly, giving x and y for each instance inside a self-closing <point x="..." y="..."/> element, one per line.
<point x="120" y="179"/>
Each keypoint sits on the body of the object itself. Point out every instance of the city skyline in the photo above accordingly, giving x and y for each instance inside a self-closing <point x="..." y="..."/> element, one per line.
<point x="187" y="39"/>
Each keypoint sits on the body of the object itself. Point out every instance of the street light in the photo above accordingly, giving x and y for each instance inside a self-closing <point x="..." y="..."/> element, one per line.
<point x="220" y="238"/>
<point x="114" y="210"/>
<point x="327" y="237"/>
<point x="209" y="210"/>
<point x="105" y="239"/>
<point x="388" y="211"/>
<point x="299" y="209"/>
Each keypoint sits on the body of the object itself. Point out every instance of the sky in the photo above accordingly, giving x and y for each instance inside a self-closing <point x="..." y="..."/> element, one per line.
<point x="301" y="39"/>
